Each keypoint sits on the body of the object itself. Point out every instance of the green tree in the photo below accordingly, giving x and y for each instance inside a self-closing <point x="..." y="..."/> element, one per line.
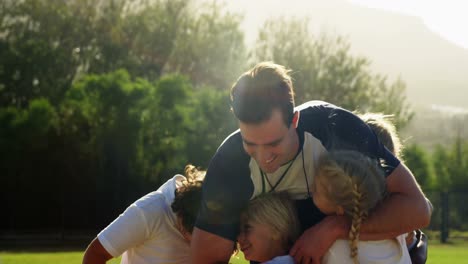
<point x="26" y="168"/>
<point x="212" y="122"/>
<point x="441" y="161"/>
<point x="40" y="43"/>
<point x="210" y="47"/>
<point x="165" y="126"/>
<point x="324" y="68"/>
<point x="105" y="112"/>
<point x="419" y="161"/>
<point x="46" y="46"/>
<point x="137" y="37"/>
<point x="24" y="130"/>
<point x="450" y="165"/>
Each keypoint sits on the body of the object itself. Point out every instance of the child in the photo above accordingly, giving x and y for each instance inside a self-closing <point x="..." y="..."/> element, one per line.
<point x="269" y="228"/>
<point x="382" y="126"/>
<point x="385" y="131"/>
<point x="156" y="228"/>
<point x="349" y="183"/>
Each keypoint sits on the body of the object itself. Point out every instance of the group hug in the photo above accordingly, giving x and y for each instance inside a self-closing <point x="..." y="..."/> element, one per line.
<point x="313" y="183"/>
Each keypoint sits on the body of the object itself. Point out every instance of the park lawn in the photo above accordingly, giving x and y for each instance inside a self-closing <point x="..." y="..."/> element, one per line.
<point x="61" y="257"/>
<point x="453" y="253"/>
<point x="66" y="257"/>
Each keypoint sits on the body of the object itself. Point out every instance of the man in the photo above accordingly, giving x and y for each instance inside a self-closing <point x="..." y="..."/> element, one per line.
<point x="275" y="150"/>
<point x="156" y="228"/>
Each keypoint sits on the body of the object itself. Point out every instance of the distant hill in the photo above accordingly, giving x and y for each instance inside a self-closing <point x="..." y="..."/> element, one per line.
<point x="436" y="126"/>
<point x="435" y="70"/>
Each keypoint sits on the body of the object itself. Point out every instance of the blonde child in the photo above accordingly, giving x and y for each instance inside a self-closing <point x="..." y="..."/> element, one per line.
<point x="385" y="130"/>
<point x="269" y="228"/>
<point x="351" y="184"/>
<point x="383" y="127"/>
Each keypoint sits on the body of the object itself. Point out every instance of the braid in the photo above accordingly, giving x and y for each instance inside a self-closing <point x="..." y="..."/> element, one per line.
<point x="354" y="182"/>
<point x="358" y="216"/>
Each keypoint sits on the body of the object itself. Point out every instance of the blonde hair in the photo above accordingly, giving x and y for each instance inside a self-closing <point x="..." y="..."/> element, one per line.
<point x="353" y="181"/>
<point x="277" y="211"/>
<point x="385" y="130"/>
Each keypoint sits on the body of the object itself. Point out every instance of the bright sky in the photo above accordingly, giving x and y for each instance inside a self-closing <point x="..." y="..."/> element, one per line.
<point x="448" y="18"/>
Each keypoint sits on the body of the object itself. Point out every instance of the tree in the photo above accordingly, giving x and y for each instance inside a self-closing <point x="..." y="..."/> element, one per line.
<point x="210" y="47"/>
<point x="419" y="161"/>
<point x="27" y="174"/>
<point x="441" y="161"/>
<point x="46" y="46"/>
<point x="165" y="126"/>
<point x="323" y="68"/>
<point x="450" y="164"/>
<point x="137" y="37"/>
<point x="105" y="112"/>
<point x="40" y="45"/>
<point x="212" y="122"/>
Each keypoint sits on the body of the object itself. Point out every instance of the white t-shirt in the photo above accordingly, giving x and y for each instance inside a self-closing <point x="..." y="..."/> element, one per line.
<point x="286" y="259"/>
<point x="146" y="232"/>
<point x="389" y="251"/>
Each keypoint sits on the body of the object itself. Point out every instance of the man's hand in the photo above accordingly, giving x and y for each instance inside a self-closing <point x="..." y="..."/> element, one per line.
<point x="315" y="241"/>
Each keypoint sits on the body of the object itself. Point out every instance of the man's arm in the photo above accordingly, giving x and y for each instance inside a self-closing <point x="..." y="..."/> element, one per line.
<point x="96" y="253"/>
<point x="208" y="248"/>
<point x="405" y="209"/>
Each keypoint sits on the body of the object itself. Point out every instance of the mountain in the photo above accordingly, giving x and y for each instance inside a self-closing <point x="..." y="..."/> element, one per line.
<point x="434" y="69"/>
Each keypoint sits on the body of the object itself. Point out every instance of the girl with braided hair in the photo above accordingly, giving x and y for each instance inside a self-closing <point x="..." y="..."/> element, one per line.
<point x="352" y="184"/>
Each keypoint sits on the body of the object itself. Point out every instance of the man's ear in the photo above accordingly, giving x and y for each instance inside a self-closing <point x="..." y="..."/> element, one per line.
<point x="295" y="119"/>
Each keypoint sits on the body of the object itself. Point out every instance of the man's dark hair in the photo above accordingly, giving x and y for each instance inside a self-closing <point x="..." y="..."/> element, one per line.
<point x="259" y="91"/>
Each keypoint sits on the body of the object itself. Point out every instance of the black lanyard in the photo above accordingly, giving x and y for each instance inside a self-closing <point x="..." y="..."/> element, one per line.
<point x="272" y="188"/>
<point x="264" y="176"/>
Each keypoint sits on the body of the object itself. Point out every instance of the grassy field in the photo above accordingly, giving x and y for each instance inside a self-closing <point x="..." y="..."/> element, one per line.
<point x="65" y="257"/>
<point x="452" y="253"/>
<point x="456" y="253"/>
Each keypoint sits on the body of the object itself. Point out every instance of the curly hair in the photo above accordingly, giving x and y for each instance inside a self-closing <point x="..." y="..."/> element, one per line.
<point x="188" y="197"/>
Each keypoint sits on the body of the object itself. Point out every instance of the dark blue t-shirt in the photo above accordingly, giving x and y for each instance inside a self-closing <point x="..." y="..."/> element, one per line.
<point x="233" y="177"/>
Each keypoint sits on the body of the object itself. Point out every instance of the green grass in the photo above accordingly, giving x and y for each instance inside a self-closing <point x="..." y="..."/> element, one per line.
<point x="65" y="257"/>
<point x="451" y="253"/>
<point x="455" y="253"/>
<point x="237" y="259"/>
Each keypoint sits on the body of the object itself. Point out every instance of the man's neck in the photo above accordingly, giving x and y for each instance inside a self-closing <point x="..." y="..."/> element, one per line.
<point x="295" y="146"/>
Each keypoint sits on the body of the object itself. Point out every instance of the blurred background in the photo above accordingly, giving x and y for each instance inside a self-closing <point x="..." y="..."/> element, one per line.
<point x="102" y="101"/>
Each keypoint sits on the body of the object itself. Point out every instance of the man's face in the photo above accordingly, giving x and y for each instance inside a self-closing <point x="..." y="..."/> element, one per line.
<point x="258" y="243"/>
<point x="270" y="143"/>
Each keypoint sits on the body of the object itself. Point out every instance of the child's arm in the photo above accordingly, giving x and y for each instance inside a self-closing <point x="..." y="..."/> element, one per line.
<point x="96" y="253"/>
<point x="406" y="209"/>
